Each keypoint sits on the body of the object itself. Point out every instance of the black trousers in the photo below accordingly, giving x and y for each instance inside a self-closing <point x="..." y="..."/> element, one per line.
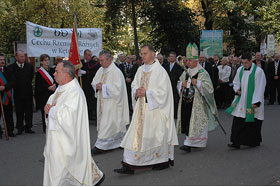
<point x="128" y="89"/>
<point x="223" y="95"/>
<point x="274" y="86"/>
<point x="8" y="113"/>
<point x="176" y="99"/>
<point x="43" y="118"/>
<point x="91" y="101"/>
<point x="244" y="133"/>
<point x="24" y="111"/>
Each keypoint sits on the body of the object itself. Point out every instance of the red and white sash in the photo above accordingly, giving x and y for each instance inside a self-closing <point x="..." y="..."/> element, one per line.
<point x="46" y="76"/>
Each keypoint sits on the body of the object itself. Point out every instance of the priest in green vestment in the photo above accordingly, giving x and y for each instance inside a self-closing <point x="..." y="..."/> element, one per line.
<point x="195" y="118"/>
<point x="248" y="106"/>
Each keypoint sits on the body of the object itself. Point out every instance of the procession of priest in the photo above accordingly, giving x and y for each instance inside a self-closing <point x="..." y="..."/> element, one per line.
<point x="138" y="104"/>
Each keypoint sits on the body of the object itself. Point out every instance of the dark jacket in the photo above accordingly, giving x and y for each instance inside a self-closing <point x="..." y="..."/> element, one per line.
<point x="271" y="71"/>
<point x="91" y="68"/>
<point x="42" y="93"/>
<point x="210" y="70"/>
<point x="23" y="85"/>
<point x="134" y="71"/>
<point x="174" y="76"/>
<point x="10" y="78"/>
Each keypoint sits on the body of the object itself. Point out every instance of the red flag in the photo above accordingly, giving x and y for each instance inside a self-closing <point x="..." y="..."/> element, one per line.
<point x="74" y="54"/>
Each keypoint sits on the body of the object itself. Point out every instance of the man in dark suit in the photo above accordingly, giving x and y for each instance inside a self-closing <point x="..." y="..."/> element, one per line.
<point x="161" y="59"/>
<point x="208" y="66"/>
<point x="57" y="60"/>
<point x="234" y="67"/>
<point x="7" y="83"/>
<point x="216" y="62"/>
<point x="273" y="72"/>
<point x="262" y="64"/>
<point x="23" y="72"/>
<point x="135" y="67"/>
<point x="174" y="71"/>
<point x="259" y="62"/>
<point x="126" y="68"/>
<point x="87" y="56"/>
<point x="90" y="69"/>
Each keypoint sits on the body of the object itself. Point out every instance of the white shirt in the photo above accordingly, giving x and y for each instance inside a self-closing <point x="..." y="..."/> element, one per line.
<point x="20" y="65"/>
<point x="171" y="65"/>
<point x="224" y="73"/>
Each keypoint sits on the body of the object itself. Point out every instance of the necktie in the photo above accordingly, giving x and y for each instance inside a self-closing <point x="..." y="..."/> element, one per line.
<point x="21" y="66"/>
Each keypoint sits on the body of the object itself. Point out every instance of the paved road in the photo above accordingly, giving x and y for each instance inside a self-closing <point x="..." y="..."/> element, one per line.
<point x="21" y="160"/>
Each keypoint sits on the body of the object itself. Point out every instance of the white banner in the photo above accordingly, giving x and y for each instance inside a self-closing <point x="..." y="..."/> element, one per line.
<point x="270" y="45"/>
<point x="56" y="41"/>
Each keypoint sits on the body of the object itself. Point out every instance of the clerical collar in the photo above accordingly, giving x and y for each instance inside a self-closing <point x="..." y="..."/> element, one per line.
<point x="193" y="71"/>
<point x="247" y="69"/>
<point x="148" y="67"/>
<point x="61" y="88"/>
<point x="105" y="70"/>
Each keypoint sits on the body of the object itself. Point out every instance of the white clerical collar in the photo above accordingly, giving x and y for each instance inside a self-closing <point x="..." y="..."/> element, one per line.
<point x="105" y="70"/>
<point x="64" y="87"/>
<point x="148" y="67"/>
<point x="194" y="70"/>
<point x="20" y="65"/>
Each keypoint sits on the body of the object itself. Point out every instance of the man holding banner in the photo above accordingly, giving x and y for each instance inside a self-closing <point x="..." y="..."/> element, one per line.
<point x="248" y="105"/>
<point x="7" y="81"/>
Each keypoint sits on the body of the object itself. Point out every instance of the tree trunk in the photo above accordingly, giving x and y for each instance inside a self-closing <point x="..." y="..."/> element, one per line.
<point x="207" y="15"/>
<point x="135" y="28"/>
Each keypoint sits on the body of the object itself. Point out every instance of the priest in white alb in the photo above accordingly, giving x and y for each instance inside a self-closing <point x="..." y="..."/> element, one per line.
<point x="112" y="105"/>
<point x="248" y="106"/>
<point x="68" y="160"/>
<point x="150" y="139"/>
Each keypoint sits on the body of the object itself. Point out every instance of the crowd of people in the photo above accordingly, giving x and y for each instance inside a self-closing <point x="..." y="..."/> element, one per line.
<point x="162" y="96"/>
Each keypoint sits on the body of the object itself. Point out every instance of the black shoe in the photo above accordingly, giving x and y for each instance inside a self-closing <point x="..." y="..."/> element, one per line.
<point x="234" y="146"/>
<point x="19" y="132"/>
<point x="11" y="135"/>
<point x="171" y="162"/>
<point x="270" y="103"/>
<point x="29" y="131"/>
<point x="124" y="170"/>
<point x="1" y="133"/>
<point x="160" y="166"/>
<point x="186" y="148"/>
<point x="96" y="151"/>
<point x="100" y="181"/>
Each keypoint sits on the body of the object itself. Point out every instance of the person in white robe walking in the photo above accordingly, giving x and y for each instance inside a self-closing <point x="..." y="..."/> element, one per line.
<point x="150" y="139"/>
<point x="112" y="105"/>
<point x="67" y="153"/>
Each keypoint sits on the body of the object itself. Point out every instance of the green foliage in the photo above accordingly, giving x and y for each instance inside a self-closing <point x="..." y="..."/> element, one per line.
<point x="172" y="25"/>
<point x="166" y="24"/>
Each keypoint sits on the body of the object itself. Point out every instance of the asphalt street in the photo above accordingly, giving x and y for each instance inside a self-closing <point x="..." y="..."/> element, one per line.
<point x="21" y="159"/>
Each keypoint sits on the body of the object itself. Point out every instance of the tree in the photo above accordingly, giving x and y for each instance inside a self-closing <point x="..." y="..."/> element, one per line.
<point x="172" y="25"/>
<point x="51" y="13"/>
